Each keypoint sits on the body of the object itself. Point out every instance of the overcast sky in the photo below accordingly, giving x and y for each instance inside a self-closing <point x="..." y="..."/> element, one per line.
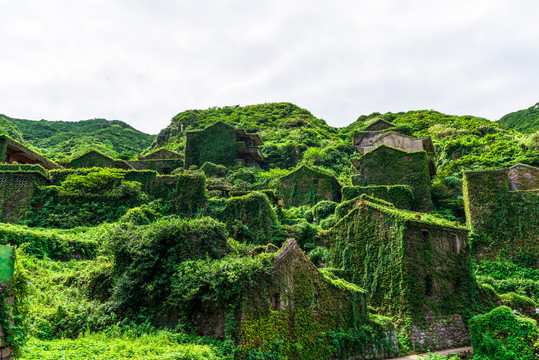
<point x="145" y="61"/>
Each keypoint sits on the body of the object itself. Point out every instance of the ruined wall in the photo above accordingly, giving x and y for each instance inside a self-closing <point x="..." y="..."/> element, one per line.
<point x="400" y="142"/>
<point x="249" y="218"/>
<point x="391" y="166"/>
<point x="523" y="177"/>
<point x="504" y="222"/>
<point x="306" y="186"/>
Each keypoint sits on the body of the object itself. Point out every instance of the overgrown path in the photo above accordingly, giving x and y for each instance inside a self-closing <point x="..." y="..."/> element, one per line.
<point x="456" y="351"/>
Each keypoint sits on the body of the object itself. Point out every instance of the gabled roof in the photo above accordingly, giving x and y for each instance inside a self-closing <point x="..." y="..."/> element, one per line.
<point x="30" y="154"/>
<point x="524" y="165"/>
<point x="162" y="154"/>
<point x="306" y="169"/>
<point x="379" y="124"/>
<point x="93" y="151"/>
<point x="412" y="216"/>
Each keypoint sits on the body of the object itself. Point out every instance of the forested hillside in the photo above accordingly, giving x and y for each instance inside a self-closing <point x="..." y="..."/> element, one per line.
<point x="526" y="120"/>
<point x="64" y="139"/>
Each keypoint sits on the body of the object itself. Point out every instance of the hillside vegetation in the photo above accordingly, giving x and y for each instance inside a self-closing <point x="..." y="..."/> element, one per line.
<point x="63" y="139"/>
<point x="526" y="120"/>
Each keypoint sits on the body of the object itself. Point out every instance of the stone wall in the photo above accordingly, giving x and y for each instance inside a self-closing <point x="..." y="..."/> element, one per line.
<point x="440" y="333"/>
<point x="523" y="177"/>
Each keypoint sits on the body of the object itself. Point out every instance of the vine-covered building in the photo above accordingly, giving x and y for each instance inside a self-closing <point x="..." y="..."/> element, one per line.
<point x="382" y="132"/>
<point x="391" y="166"/>
<point x="502" y="208"/>
<point x="412" y="267"/>
<point x="222" y="144"/>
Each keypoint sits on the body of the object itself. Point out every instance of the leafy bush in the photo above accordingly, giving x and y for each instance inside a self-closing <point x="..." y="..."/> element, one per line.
<point x="502" y="335"/>
<point x="323" y="209"/>
<point x="146" y="257"/>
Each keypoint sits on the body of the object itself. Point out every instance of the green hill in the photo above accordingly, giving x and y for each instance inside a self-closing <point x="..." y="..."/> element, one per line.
<point x="526" y="120"/>
<point x="61" y="139"/>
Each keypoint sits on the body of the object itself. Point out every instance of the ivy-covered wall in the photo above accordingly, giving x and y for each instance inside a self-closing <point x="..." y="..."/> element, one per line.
<point x="307" y="186"/>
<point x="391" y="166"/>
<point x="16" y="191"/>
<point x="504" y="222"/>
<point x="399" y="195"/>
<point x="216" y="144"/>
<point x="413" y="267"/>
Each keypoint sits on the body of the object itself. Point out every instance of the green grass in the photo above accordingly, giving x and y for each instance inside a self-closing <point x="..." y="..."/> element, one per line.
<point x="159" y="346"/>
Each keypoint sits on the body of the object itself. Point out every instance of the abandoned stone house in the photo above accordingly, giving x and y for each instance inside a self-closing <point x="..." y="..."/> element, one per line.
<point x="501" y="208"/>
<point x="391" y="166"/>
<point x="411" y="266"/>
<point x="385" y="133"/>
<point x="222" y="144"/>
<point x="12" y="151"/>
<point x="307" y="186"/>
<point x="298" y="303"/>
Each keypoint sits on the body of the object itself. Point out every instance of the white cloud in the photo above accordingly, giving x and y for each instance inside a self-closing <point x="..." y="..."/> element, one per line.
<point x="144" y="61"/>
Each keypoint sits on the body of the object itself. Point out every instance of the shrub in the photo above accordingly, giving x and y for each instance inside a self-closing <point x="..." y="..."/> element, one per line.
<point x="502" y="335"/>
<point x="146" y="257"/>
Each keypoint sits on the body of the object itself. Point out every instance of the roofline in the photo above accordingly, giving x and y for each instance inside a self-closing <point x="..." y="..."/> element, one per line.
<point x="397" y="212"/>
<point x="377" y="121"/>
<point x="392" y="148"/>
<point x="27" y="151"/>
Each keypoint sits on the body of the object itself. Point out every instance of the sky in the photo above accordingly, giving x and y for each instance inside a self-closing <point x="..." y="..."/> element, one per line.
<point x="144" y="61"/>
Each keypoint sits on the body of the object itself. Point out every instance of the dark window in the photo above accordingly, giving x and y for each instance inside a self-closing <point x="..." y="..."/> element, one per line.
<point x="428" y="286"/>
<point x="425" y="235"/>
<point x="455" y="245"/>
<point x="457" y="285"/>
<point x="275" y="301"/>
<point x="166" y="171"/>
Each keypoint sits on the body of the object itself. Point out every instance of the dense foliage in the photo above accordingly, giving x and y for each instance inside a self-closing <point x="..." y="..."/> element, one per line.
<point x="115" y="257"/>
<point x="500" y="334"/>
<point x="526" y="120"/>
